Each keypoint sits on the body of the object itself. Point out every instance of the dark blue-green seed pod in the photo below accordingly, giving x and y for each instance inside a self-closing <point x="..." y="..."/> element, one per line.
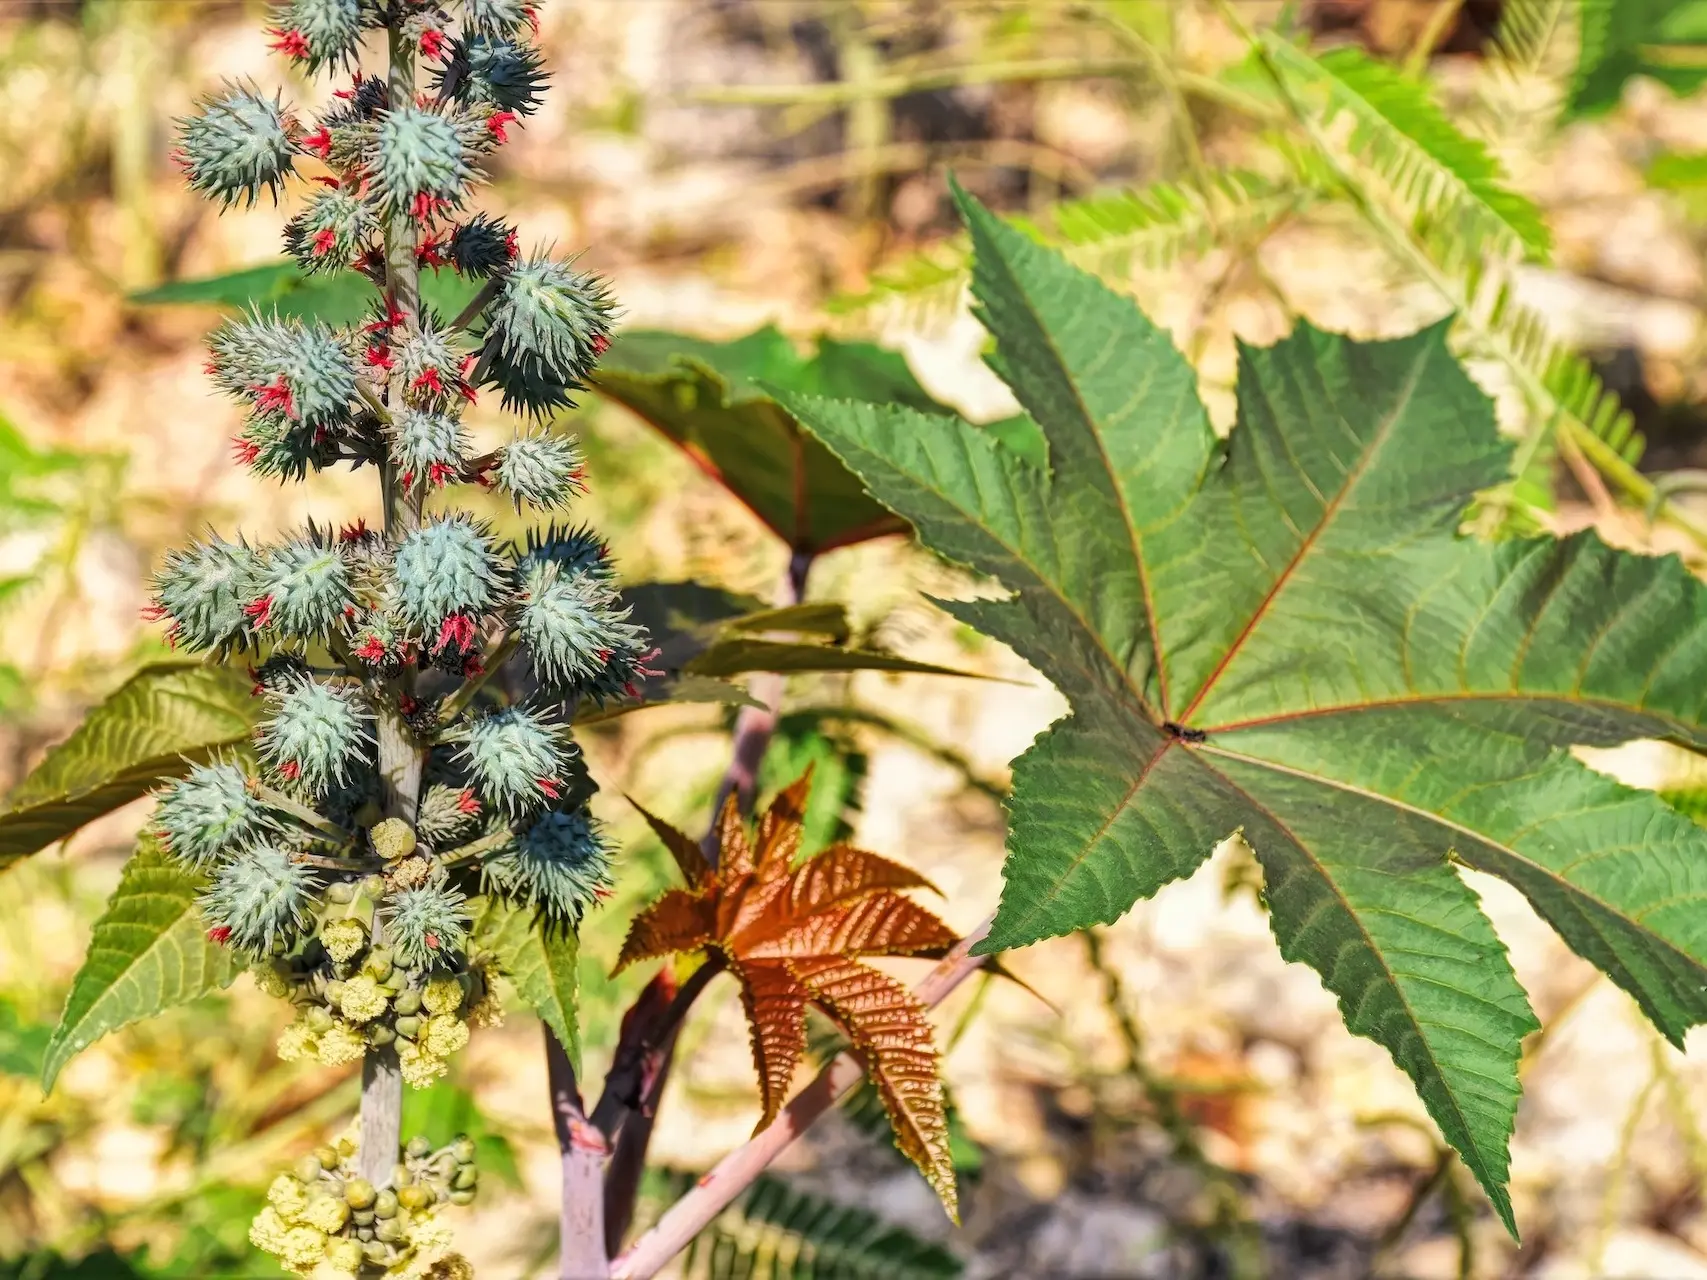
<point x="447" y="567"/>
<point x="482" y="246"/>
<point x="542" y="470"/>
<point x="303" y="588"/>
<point x="420" y="160"/>
<point x="210" y="815"/>
<point x="322" y="33"/>
<point x="203" y="589"/>
<point x="279" y="449"/>
<point x="238" y="144"/>
<point x="316" y="734"/>
<point x="574" y="549"/>
<point x="259" y="898"/>
<point x="546" y="329"/>
<point x="571" y="623"/>
<point x="625" y="668"/>
<point x="332" y="232"/>
<point x="559" y="865"/>
<point x="494" y="72"/>
<point x="427" y="927"/>
<point x="515" y="759"/>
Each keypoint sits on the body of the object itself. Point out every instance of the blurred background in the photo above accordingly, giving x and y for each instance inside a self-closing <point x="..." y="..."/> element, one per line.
<point x="1171" y="1099"/>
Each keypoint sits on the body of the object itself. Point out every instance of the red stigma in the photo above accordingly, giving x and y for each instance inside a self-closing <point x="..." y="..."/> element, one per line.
<point x="154" y="612"/>
<point x="327" y="180"/>
<point x="512" y="245"/>
<point x="379" y="356"/>
<point x="291" y="769"/>
<point x="601" y="344"/>
<point x="324" y="242"/>
<point x="220" y="933"/>
<point x="458" y="629"/>
<point x="440" y="474"/>
<point x="432" y="43"/>
<point x="353" y="532"/>
<point x="431" y="252"/>
<point x="407" y="705"/>
<point x="181" y="160"/>
<point x="407" y="479"/>
<point x="260" y="610"/>
<point x="174" y="633"/>
<point x="473" y="667"/>
<point x="350" y="93"/>
<point x="432" y="941"/>
<point x="468" y="802"/>
<point x="425" y="205"/>
<point x="429" y="379"/>
<point x="275" y="395"/>
<point x="319" y="142"/>
<point x="641" y="668"/>
<point x="550" y="787"/>
<point x="392" y="318"/>
<point x="498" y="122"/>
<point x="371" y="650"/>
<point x="245" y="451"/>
<point x="532" y="15"/>
<point x="292" y="43"/>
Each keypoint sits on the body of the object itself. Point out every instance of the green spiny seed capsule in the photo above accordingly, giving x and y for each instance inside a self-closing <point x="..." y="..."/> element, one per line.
<point x="380" y="1035"/>
<point x="385" y="1204"/>
<point x="463" y="1149"/>
<point x="393" y="839"/>
<point x="462" y="1197"/>
<point x="465" y="1179"/>
<point x="327" y="1156"/>
<point x="318" y="1019"/>
<point x="342" y="892"/>
<point x="374" y="887"/>
<point x="407" y="1027"/>
<point x="309" y="1169"/>
<point x="417" y="1195"/>
<point x="388" y="1229"/>
<point x="407" y="1003"/>
<point x="359" y="1193"/>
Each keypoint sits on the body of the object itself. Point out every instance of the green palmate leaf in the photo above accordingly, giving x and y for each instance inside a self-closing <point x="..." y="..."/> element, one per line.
<point x="148" y="952"/>
<point x="279" y="287"/>
<point x="542" y="964"/>
<point x="711" y="399"/>
<point x="1665" y="40"/>
<point x="155" y="725"/>
<point x="1285" y="636"/>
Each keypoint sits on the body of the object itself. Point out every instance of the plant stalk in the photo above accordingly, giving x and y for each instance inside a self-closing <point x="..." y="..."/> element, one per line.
<point x="399" y="756"/>
<point x="583" y="1152"/>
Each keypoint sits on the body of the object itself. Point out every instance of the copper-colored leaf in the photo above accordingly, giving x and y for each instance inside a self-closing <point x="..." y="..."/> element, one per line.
<point x="735" y="855"/>
<point x="882" y="924"/>
<point x="891" y="1031"/>
<point x="776" y="1019"/>
<point x="842" y="874"/>
<point x="678" y="921"/>
<point x="780" y="828"/>
<point x="690" y="858"/>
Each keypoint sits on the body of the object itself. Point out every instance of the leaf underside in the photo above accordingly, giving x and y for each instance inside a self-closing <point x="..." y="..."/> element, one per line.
<point x="541" y="962"/>
<point x="1284" y="636"/>
<point x="152" y="728"/>
<point x="148" y="952"/>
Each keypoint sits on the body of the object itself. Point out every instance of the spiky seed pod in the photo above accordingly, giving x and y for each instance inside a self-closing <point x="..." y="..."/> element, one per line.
<point x="361" y="103"/>
<point x="378" y="642"/>
<point x="430" y="362"/>
<point x="260" y="897"/>
<point x="448" y="815"/>
<point x="625" y="667"/>
<point x="446" y="569"/>
<point x="300" y="372"/>
<point x="427" y="926"/>
<point x="331" y="232"/>
<point x="327" y="33"/>
<point x="546" y="329"/>
<point x="209" y="815"/>
<point x="497" y="17"/>
<point x="514" y="758"/>
<point x="238" y="144"/>
<point x="272" y="446"/>
<point x="316" y="734"/>
<point x="420" y="160"/>
<point x="482" y="246"/>
<point x="559" y="865"/>
<point x="494" y="72"/>
<point x="203" y="589"/>
<point x="427" y="445"/>
<point x="543" y="471"/>
<point x="571" y="623"/>
<point x="303" y="588"/>
<point x="574" y="550"/>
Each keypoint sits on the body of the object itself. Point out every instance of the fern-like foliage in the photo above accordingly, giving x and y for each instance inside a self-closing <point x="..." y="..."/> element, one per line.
<point x="1529" y="34"/>
<point x="774" y="1232"/>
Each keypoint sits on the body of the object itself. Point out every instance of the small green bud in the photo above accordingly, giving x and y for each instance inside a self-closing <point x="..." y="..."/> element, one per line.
<point x="462" y="1197"/>
<point x="363" y="1217"/>
<point x="308" y="1169"/>
<point x="466" y="1178"/>
<point x="385" y="1204"/>
<point x="319" y="1019"/>
<point x="416" y="1196"/>
<point x="334" y="991"/>
<point x="402" y="1175"/>
<point x="418" y="1146"/>
<point x="378" y="965"/>
<point x="408" y="1027"/>
<point x="393" y="839"/>
<point x="359" y="1193"/>
<point x="388" y="1229"/>
<point x="374" y="887"/>
<point x="341" y="892"/>
<point x="463" y="1149"/>
<point x="407" y="1002"/>
<point x="327" y="1157"/>
<point x="379" y="1035"/>
<point x="372" y="1249"/>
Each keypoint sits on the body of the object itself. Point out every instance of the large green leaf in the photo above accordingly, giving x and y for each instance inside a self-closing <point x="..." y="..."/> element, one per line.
<point x="713" y="400"/>
<point x="1285" y="636"/>
<point x="159" y="722"/>
<point x="280" y="287"/>
<point x="542" y="964"/>
<point x="149" y="951"/>
<point x="1663" y="39"/>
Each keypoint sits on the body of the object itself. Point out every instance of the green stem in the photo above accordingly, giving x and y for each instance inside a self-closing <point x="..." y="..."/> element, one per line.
<point x="459" y="701"/>
<point x="303" y="814"/>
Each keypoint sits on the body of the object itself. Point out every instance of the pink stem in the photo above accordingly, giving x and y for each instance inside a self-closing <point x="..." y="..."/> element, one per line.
<point x="736" y="1171"/>
<point x="584" y="1151"/>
